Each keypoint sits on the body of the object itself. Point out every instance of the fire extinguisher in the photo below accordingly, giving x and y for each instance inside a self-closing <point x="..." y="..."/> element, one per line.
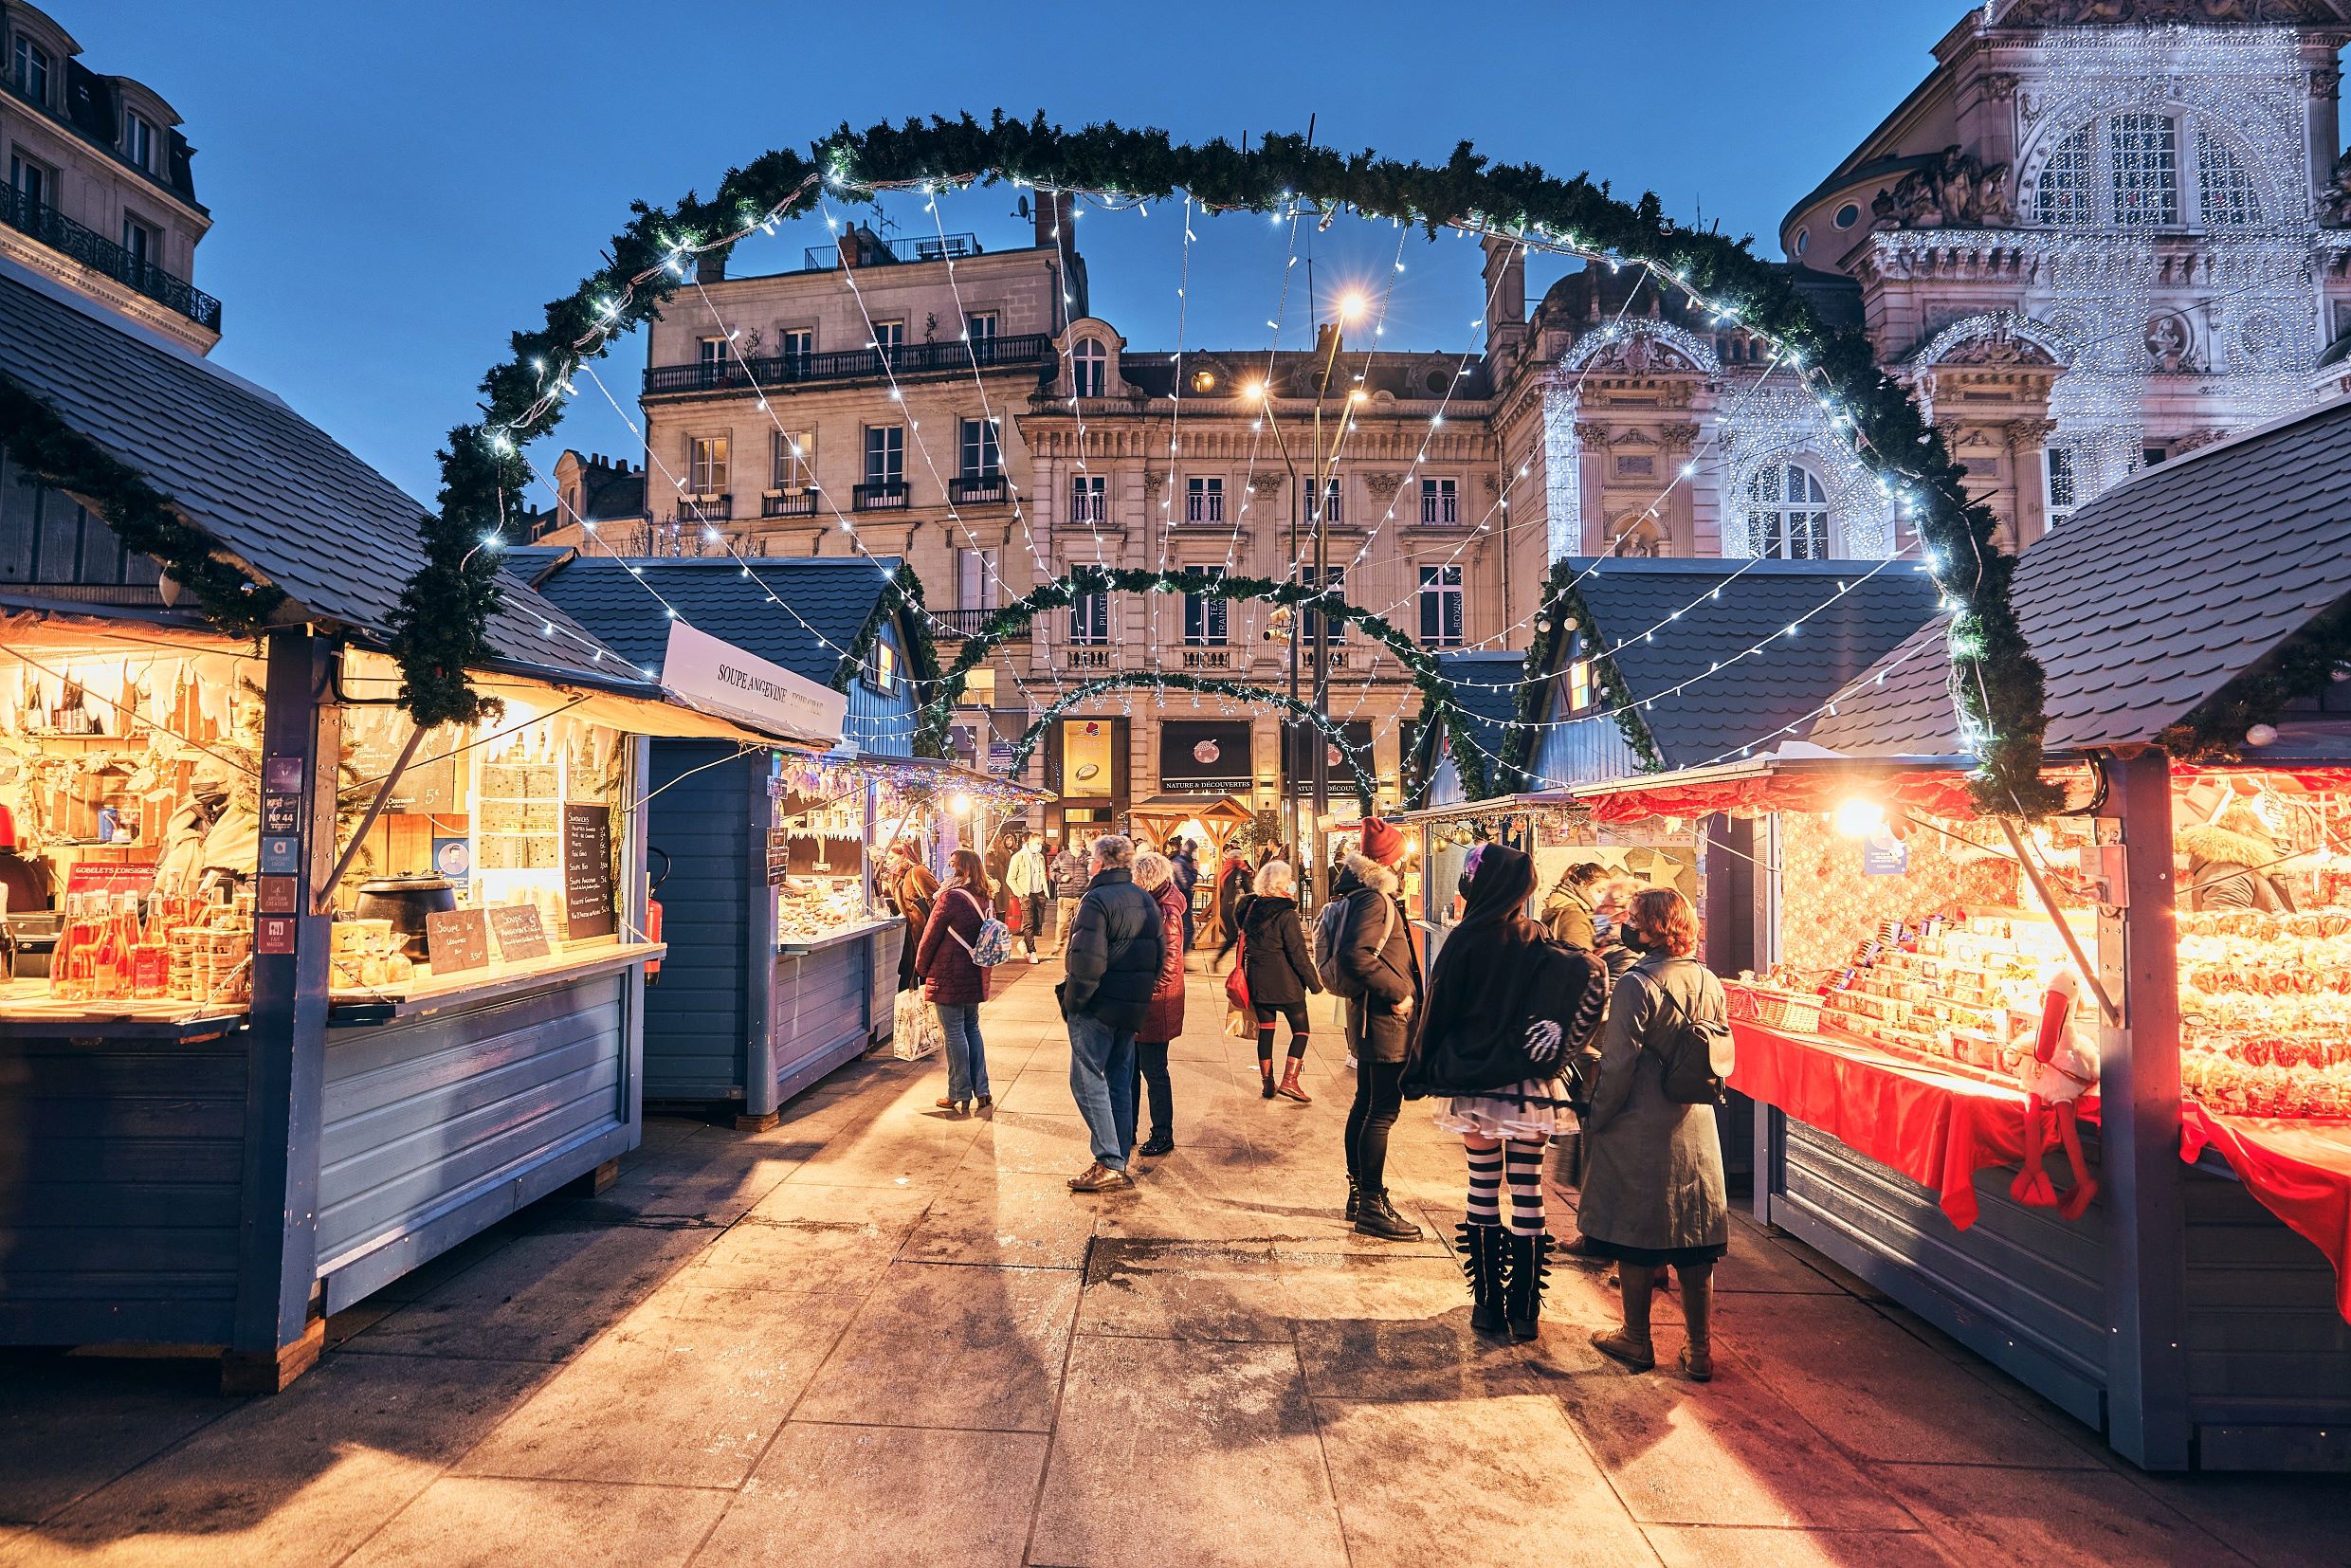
<point x="653" y="913"/>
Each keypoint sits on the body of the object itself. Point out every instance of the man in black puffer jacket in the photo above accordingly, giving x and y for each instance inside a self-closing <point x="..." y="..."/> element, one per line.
<point x="1112" y="959"/>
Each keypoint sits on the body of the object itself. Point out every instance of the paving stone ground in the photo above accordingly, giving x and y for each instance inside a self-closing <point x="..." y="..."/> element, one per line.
<point x="881" y="1334"/>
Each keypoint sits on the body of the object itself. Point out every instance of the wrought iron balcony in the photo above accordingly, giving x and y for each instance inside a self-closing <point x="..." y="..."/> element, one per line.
<point x="781" y="373"/>
<point x="799" y="503"/>
<point x="94" y="250"/>
<point x="980" y="490"/>
<point x="706" y="509"/>
<point x="886" y="496"/>
<point x="917" y="247"/>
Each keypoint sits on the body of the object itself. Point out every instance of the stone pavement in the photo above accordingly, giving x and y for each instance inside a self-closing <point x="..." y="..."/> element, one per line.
<point x="879" y="1334"/>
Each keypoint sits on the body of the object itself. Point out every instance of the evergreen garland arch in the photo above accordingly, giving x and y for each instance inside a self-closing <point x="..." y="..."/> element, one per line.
<point x="1333" y="730"/>
<point x="1996" y="684"/>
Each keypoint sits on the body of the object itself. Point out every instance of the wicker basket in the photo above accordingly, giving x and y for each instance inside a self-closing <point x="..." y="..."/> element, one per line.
<point x="1786" y="1010"/>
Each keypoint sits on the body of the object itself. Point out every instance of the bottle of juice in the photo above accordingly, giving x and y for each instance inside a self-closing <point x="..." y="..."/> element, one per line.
<point x="151" y="960"/>
<point x="71" y="964"/>
<point x="110" y="973"/>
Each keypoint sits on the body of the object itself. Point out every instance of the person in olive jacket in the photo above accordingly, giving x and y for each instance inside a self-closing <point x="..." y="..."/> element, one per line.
<point x="955" y="984"/>
<point x="1112" y="962"/>
<point x="1280" y="969"/>
<point x="1378" y="969"/>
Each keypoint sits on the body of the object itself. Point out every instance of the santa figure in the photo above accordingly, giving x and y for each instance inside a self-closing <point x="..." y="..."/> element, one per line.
<point x="2062" y="1069"/>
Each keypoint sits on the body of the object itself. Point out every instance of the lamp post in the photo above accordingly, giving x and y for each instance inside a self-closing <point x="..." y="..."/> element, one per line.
<point x="1259" y="394"/>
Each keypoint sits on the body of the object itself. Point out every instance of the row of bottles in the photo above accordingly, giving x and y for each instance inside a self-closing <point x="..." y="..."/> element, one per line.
<point x="117" y="946"/>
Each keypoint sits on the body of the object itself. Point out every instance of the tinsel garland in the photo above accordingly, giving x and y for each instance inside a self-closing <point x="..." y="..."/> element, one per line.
<point x="1436" y="693"/>
<point x="1997" y="684"/>
<point x="1241" y="690"/>
<point x="43" y="445"/>
<point x="2303" y="666"/>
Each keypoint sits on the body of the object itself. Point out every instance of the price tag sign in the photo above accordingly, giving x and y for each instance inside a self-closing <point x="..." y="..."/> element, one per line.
<point x="457" y="939"/>
<point x="519" y="932"/>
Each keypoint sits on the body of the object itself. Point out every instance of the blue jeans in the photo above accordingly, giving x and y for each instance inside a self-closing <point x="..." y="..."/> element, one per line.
<point x="1101" y="1078"/>
<point x="967" y="1054"/>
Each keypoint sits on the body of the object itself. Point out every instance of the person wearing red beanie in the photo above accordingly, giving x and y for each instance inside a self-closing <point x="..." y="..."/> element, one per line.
<point x="1382" y="843"/>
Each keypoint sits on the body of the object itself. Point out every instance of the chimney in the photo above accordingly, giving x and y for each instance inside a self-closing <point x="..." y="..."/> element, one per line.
<point x="1057" y="210"/>
<point x="1327" y="346"/>
<point x="862" y="246"/>
<point x="1505" y="294"/>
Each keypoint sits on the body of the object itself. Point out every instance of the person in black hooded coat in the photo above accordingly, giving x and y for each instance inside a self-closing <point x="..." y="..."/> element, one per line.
<point x="1279" y="966"/>
<point x="1506" y="1010"/>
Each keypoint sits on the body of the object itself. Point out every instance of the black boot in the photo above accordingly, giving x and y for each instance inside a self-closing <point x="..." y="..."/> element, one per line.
<point x="1376" y="1216"/>
<point x="1482" y="1257"/>
<point x="1354" y="1199"/>
<point x="1530" y="1265"/>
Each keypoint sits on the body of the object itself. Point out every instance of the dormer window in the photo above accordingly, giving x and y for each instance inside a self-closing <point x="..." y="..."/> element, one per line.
<point x="1089" y="368"/>
<point x="139" y="141"/>
<point x="32" y="70"/>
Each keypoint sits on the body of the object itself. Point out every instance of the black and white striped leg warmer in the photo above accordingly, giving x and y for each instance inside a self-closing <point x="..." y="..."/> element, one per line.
<point x="1484" y="1180"/>
<point x="1526" y="1160"/>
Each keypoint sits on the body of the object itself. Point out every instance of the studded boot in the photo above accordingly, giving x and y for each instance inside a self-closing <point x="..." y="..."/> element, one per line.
<point x="1482" y="1261"/>
<point x="1530" y="1265"/>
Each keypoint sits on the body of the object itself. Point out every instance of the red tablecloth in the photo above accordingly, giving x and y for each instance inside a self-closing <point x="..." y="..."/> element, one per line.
<point x="1938" y="1127"/>
<point x="2298" y="1170"/>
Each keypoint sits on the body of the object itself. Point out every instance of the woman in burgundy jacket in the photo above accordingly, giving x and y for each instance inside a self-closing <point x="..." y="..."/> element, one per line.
<point x="1155" y="874"/>
<point x="953" y="983"/>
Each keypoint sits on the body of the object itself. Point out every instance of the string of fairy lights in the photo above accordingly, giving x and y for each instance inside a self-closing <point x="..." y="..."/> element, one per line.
<point x="1535" y="239"/>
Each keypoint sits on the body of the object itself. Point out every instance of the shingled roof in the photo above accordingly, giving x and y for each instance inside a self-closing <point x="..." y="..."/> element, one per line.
<point x="1735" y="614"/>
<point x="271" y="488"/>
<point x="2150" y="599"/>
<point x="801" y="612"/>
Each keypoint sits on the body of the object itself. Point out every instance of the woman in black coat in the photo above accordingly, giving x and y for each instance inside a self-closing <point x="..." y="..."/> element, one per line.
<point x="1280" y="969"/>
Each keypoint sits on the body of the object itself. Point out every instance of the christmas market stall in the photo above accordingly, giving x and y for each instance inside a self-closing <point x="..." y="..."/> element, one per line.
<point x="298" y="995"/>
<point x="784" y="963"/>
<point x="2078" y="1090"/>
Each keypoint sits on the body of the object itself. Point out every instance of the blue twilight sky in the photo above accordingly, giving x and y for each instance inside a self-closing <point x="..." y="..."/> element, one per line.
<point x="397" y="186"/>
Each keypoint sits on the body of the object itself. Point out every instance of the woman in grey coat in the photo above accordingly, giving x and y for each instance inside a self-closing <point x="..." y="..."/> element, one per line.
<point x="1653" y="1195"/>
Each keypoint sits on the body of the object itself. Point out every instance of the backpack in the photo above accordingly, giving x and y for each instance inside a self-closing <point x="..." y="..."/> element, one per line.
<point x="1330" y="939"/>
<point x="993" y="944"/>
<point x="1698" y="1057"/>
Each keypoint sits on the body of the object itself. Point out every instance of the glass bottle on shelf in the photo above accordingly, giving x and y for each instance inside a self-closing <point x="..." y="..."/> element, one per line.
<point x="150" y="959"/>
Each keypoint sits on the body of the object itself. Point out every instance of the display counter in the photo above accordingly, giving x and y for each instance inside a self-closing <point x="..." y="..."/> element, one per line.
<point x="857" y="931"/>
<point x="428" y="991"/>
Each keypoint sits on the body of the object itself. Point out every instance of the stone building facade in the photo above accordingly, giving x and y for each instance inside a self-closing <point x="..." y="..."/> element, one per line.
<point x="100" y="195"/>
<point x="2099" y="234"/>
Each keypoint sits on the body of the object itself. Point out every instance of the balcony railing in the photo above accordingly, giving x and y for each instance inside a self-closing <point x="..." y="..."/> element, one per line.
<point x="882" y="496"/>
<point x="783" y="372"/>
<point x="980" y="490"/>
<point x="707" y="509"/>
<point x="920" y="248"/>
<point x="1207" y="658"/>
<point x="1087" y="656"/>
<point x="960" y="624"/>
<point x="94" y="250"/>
<point x="799" y="503"/>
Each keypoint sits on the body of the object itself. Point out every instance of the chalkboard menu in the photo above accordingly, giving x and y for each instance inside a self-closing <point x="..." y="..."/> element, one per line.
<point x="587" y="870"/>
<point x="430" y="783"/>
<point x="519" y="932"/>
<point x="457" y="939"/>
<point x="778" y="856"/>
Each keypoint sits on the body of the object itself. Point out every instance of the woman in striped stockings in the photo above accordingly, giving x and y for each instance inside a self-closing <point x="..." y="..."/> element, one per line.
<point x="1506" y="1010"/>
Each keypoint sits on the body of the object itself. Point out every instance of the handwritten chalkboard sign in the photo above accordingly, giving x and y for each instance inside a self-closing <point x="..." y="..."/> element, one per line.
<point x="778" y="856"/>
<point x="519" y="931"/>
<point x="587" y="870"/>
<point x="457" y="939"/>
<point x="431" y="782"/>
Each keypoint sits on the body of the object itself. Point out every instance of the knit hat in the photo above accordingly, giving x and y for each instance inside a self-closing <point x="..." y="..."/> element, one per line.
<point x="1382" y="843"/>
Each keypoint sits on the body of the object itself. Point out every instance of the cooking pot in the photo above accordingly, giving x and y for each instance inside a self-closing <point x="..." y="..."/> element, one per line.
<point x="405" y="901"/>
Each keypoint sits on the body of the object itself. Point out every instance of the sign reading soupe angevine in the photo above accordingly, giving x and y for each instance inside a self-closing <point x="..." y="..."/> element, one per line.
<point x="587" y="870"/>
<point x="712" y="673"/>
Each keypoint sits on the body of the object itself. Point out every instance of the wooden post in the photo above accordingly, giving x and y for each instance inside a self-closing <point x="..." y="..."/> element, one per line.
<point x="2139" y="1086"/>
<point x="274" y="1340"/>
<point x="760" y="963"/>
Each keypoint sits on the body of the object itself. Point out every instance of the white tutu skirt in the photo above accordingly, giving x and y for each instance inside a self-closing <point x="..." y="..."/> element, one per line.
<point x="1535" y="1109"/>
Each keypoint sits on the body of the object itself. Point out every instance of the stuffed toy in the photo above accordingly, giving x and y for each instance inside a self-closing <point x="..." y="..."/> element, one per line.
<point x="2062" y="1069"/>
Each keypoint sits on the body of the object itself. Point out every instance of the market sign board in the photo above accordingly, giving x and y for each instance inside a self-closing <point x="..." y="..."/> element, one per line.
<point x="1205" y="756"/>
<point x="713" y="673"/>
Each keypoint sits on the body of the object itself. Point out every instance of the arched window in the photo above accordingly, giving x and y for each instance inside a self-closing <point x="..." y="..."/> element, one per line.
<point x="1089" y="368"/>
<point x="2127" y="171"/>
<point x="1787" y="513"/>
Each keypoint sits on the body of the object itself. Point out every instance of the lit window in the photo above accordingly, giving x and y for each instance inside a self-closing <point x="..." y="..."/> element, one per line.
<point x="1089" y="619"/>
<point x="1089" y="368"/>
<point x="139" y="141"/>
<point x="2062" y="494"/>
<point x="2147" y="171"/>
<point x="792" y="463"/>
<point x="885" y="454"/>
<point x="1206" y="619"/>
<point x="1088" y="498"/>
<point x="706" y="464"/>
<point x="2223" y="188"/>
<point x="1440" y="606"/>
<point x="882" y="668"/>
<point x="1580" y="686"/>
<point x="1204" y="501"/>
<point x="32" y="70"/>
<point x="1787" y="514"/>
<point x="980" y="457"/>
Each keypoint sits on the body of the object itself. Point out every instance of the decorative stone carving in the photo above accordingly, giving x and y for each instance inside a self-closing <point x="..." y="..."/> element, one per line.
<point x="2325" y="83"/>
<point x="2025" y="434"/>
<point x="1266" y="483"/>
<point x="2335" y="200"/>
<point x="1992" y="349"/>
<point x="1594" y="438"/>
<point x="1677" y="438"/>
<point x="1493" y="484"/>
<point x="2169" y="344"/>
<point x="1641" y="353"/>
<point x="1957" y="190"/>
<point x="1637" y="538"/>
<point x="2074" y="13"/>
<point x="2193" y="439"/>
<point x="2000" y="86"/>
<point x="1382" y="486"/>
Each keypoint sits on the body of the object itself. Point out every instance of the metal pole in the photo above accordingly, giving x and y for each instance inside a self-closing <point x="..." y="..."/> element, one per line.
<point x="1320" y="869"/>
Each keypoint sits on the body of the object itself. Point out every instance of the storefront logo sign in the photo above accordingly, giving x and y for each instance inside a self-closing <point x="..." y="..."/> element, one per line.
<point x="710" y="672"/>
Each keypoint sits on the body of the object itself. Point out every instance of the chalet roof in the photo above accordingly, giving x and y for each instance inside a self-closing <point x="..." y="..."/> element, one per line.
<point x="2150" y="598"/>
<point x="269" y="487"/>
<point x="1719" y="672"/>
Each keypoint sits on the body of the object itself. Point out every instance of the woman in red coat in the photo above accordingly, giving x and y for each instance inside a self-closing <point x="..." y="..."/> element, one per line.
<point x="1155" y="874"/>
<point x="953" y="983"/>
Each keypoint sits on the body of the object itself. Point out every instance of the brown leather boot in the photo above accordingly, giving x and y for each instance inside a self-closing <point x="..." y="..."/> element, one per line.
<point x="1289" y="1083"/>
